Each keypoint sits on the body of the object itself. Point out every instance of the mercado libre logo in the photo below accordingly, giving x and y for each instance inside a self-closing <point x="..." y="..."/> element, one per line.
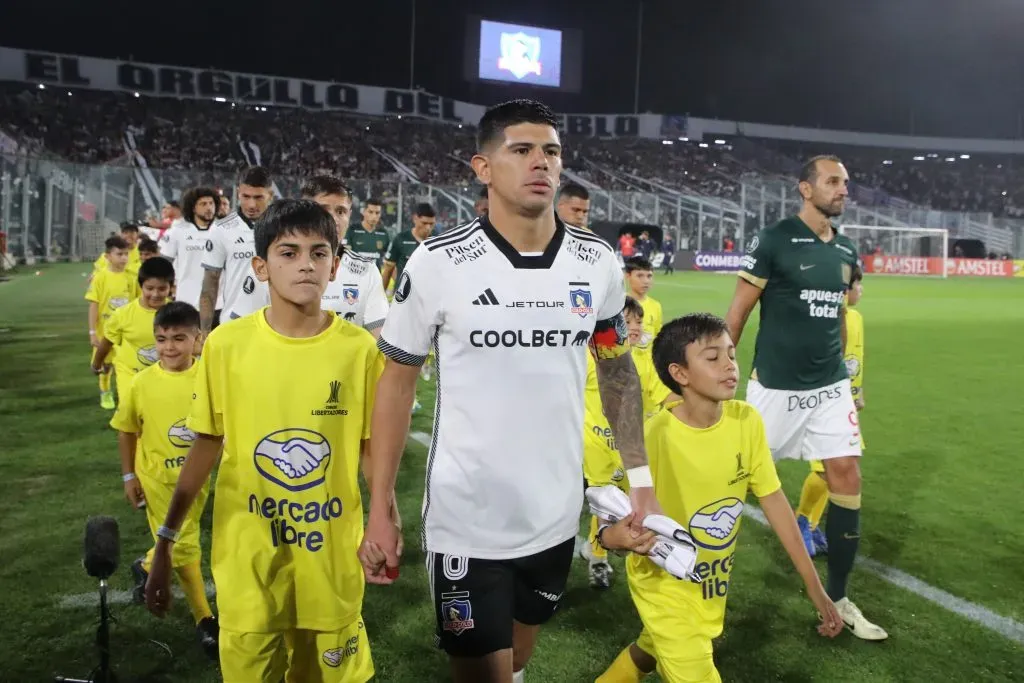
<point x="294" y="459"/>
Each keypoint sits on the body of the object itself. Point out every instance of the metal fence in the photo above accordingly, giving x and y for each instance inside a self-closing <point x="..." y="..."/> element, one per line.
<point x="55" y="210"/>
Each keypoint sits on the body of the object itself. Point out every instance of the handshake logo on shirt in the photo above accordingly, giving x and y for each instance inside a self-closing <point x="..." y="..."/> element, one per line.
<point x="714" y="526"/>
<point x="295" y="459"/>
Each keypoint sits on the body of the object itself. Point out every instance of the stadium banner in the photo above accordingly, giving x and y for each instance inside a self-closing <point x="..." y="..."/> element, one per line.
<point x="932" y="265"/>
<point x="159" y="80"/>
<point x="727" y="261"/>
<point x="1018" y="268"/>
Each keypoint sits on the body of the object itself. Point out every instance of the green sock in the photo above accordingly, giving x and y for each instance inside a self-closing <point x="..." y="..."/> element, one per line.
<point x="842" y="531"/>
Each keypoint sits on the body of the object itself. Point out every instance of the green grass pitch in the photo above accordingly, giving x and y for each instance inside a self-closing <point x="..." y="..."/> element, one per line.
<point x="942" y="501"/>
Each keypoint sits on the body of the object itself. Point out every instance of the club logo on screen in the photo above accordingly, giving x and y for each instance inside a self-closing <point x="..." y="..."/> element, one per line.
<point x="520" y="54"/>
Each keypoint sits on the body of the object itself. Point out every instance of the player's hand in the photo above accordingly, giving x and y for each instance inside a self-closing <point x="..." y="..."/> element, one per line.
<point x="381" y="550"/>
<point x="134" y="493"/>
<point x="831" y="623"/>
<point x="620" y="536"/>
<point x="396" y="518"/>
<point x="94" y="341"/>
<point x="158" y="585"/>
<point x="643" y="502"/>
<point x="858" y="403"/>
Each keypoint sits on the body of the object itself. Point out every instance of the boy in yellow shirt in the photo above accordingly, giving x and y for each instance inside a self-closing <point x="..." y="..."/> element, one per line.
<point x="153" y="440"/>
<point x="288" y="392"/>
<point x="706" y="453"/>
<point x="814" y="495"/>
<point x="130" y="234"/>
<point x="602" y="463"/>
<point x="129" y="330"/>
<point x="639" y="277"/>
<point x="110" y="288"/>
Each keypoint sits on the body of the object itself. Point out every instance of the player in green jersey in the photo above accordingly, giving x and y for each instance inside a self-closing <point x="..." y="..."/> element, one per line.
<point x="368" y="238"/>
<point x="799" y="269"/>
<point x="424" y="218"/>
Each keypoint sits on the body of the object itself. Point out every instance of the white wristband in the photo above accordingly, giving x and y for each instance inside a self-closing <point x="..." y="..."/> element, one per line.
<point x="168" y="534"/>
<point x="640" y="477"/>
<point x="128" y="477"/>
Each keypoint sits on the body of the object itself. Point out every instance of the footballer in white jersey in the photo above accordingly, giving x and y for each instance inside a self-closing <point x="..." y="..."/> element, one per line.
<point x="357" y="292"/>
<point x="184" y="243"/>
<point x="509" y="304"/>
<point x="230" y="248"/>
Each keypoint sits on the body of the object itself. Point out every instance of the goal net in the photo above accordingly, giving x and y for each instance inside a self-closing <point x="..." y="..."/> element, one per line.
<point x="901" y="251"/>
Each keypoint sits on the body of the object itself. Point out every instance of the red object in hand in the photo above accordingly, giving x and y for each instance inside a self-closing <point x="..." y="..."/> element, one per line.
<point x="392" y="573"/>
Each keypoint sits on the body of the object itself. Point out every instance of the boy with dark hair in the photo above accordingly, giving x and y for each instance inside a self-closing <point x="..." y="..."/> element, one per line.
<point x="129" y="331"/>
<point x="153" y="440"/>
<point x="110" y="288"/>
<point x="287" y="514"/>
<point x="147" y="249"/>
<point x="639" y="277"/>
<point x="706" y="452"/>
<point x="129" y="232"/>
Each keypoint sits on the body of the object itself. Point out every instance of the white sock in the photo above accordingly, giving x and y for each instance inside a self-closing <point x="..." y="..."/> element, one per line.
<point x="519" y="676"/>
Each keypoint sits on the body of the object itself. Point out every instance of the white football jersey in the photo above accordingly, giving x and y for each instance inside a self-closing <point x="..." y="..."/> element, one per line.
<point x="229" y="248"/>
<point x="184" y="244"/>
<point x="357" y="292"/>
<point x="509" y="333"/>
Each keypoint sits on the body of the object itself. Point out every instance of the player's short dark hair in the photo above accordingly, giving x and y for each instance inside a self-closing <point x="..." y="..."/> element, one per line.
<point x="496" y="119"/>
<point x="573" y="190"/>
<point x="324" y="184"/>
<point x="637" y="263"/>
<point x="294" y="216"/>
<point x="176" y="314"/>
<point x="114" y="242"/>
<point x="809" y="171"/>
<point x="424" y="210"/>
<point x="192" y="197"/>
<point x="175" y="203"/>
<point x="376" y="201"/>
<point x="670" y="344"/>
<point x="156" y="268"/>
<point x="255" y="176"/>
<point x="148" y="246"/>
<point x="129" y="226"/>
<point x="633" y="307"/>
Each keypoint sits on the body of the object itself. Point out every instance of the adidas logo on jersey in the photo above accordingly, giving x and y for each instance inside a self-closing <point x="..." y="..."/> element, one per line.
<point x="486" y="299"/>
<point x="240" y="240"/>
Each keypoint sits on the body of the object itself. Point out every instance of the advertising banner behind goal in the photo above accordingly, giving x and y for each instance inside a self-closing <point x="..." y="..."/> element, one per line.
<point x="932" y="265"/>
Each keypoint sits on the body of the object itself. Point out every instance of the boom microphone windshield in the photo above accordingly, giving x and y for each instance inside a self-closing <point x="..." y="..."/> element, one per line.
<point x="102" y="547"/>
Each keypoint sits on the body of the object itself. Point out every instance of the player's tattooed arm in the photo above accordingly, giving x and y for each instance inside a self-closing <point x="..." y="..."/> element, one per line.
<point x="208" y="299"/>
<point x="619" y="385"/>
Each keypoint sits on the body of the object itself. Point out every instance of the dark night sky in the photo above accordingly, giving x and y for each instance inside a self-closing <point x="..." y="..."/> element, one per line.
<point x="947" y="67"/>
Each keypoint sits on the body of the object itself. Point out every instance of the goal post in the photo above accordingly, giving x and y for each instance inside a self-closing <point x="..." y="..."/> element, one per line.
<point x="897" y="250"/>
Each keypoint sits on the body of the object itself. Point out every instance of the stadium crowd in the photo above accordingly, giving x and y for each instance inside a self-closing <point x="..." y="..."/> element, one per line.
<point x="178" y="135"/>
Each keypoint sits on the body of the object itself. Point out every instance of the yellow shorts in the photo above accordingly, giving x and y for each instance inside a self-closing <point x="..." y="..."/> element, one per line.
<point x="158" y="500"/>
<point x="297" y="656"/>
<point x="674" y="637"/>
<point x="602" y="465"/>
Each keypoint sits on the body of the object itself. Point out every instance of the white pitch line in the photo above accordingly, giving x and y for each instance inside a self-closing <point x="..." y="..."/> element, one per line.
<point x="421" y="438"/>
<point x="116" y="597"/>
<point x="1004" y="626"/>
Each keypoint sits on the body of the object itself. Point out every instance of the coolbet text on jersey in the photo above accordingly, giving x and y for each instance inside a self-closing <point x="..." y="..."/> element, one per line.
<point x="287" y="516"/>
<point x="157" y="406"/>
<point x="522" y="323"/>
<point x="804" y="282"/>
<point x="701" y="479"/>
